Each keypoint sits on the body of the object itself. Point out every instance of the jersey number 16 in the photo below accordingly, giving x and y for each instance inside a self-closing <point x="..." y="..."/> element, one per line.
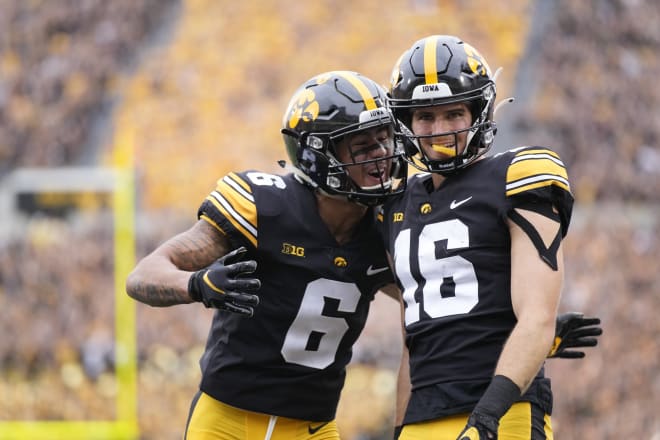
<point x="449" y="284"/>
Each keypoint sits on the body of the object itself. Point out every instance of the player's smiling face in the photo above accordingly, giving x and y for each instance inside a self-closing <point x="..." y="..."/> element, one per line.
<point x="440" y="127"/>
<point x="365" y="148"/>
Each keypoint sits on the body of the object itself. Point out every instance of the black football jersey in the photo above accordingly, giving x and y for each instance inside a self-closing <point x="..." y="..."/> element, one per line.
<point x="452" y="258"/>
<point x="289" y="359"/>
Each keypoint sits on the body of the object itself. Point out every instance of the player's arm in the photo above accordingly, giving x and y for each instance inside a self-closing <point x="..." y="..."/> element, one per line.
<point x="403" y="387"/>
<point x="196" y="266"/>
<point x="161" y="278"/>
<point x="391" y="290"/>
<point x="535" y="295"/>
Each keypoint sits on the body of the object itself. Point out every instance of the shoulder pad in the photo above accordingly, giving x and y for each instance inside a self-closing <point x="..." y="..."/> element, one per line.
<point x="232" y="201"/>
<point x="535" y="167"/>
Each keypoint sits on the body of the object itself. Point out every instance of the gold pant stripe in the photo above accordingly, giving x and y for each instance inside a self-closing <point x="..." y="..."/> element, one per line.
<point x="515" y="425"/>
<point x="214" y="420"/>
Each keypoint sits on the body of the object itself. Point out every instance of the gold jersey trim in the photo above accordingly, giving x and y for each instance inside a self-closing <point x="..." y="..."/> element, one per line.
<point x="210" y="221"/>
<point x="233" y="199"/>
<point x="536" y="168"/>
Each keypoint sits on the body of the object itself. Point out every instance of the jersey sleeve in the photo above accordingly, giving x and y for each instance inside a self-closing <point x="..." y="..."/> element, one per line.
<point x="538" y="175"/>
<point x="231" y="209"/>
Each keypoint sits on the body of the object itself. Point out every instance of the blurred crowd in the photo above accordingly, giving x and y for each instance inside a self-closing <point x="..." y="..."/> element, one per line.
<point x="595" y="103"/>
<point x="59" y="61"/>
<point x="611" y="271"/>
<point x="195" y="112"/>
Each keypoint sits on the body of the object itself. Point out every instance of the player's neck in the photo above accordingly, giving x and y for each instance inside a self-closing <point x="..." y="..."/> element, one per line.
<point x="340" y="216"/>
<point x="437" y="180"/>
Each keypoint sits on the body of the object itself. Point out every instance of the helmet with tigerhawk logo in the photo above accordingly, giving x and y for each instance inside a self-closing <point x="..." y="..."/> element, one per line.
<point x="329" y="108"/>
<point x="443" y="69"/>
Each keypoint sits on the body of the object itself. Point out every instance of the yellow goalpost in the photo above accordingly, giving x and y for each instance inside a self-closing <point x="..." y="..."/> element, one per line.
<point x="125" y="426"/>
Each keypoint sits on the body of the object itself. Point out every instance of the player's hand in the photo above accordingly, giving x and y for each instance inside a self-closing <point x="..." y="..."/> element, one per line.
<point x="573" y="331"/>
<point x="220" y="285"/>
<point x="480" y="427"/>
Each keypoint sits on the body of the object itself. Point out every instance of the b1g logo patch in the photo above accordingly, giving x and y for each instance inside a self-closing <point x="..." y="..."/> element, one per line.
<point x="291" y="249"/>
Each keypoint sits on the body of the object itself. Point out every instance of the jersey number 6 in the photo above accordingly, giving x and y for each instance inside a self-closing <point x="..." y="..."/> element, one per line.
<point x="313" y="338"/>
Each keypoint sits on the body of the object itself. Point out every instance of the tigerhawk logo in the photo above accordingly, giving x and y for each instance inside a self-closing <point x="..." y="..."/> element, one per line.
<point x="304" y="107"/>
<point x="476" y="61"/>
<point x="340" y="262"/>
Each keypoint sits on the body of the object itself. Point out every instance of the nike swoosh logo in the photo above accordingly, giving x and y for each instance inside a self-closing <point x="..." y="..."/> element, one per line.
<point x="313" y="430"/>
<point x="372" y="271"/>
<point x="454" y="204"/>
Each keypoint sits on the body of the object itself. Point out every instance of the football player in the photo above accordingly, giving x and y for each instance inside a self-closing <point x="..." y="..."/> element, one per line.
<point x="475" y="242"/>
<point x="305" y="242"/>
<point x="274" y="364"/>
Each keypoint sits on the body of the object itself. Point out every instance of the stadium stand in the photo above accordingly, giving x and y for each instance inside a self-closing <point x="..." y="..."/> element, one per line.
<point x="208" y="99"/>
<point x="592" y="69"/>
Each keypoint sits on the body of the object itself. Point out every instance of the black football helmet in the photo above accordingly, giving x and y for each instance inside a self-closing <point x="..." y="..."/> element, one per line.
<point x="322" y="112"/>
<point x="442" y="69"/>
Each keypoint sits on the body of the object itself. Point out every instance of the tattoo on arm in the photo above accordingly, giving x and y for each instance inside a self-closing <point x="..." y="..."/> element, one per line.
<point x="157" y="283"/>
<point x="194" y="251"/>
<point x="160" y="295"/>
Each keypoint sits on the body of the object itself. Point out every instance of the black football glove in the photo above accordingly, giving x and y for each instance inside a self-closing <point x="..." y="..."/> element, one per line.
<point x="220" y="285"/>
<point x="480" y="427"/>
<point x="572" y="331"/>
<point x="495" y="402"/>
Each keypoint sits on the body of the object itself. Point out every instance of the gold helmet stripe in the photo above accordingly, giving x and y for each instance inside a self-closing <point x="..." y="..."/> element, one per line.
<point x="431" y="61"/>
<point x="359" y="85"/>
